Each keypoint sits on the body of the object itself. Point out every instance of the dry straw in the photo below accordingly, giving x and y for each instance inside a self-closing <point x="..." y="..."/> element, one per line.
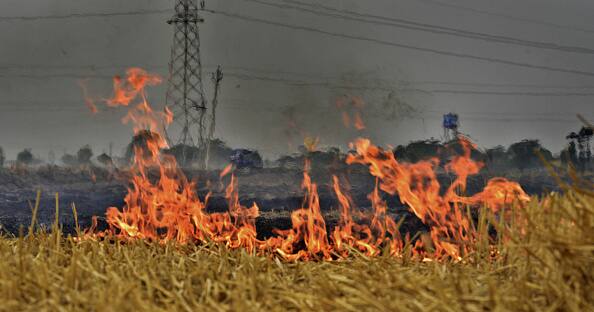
<point x="545" y="263"/>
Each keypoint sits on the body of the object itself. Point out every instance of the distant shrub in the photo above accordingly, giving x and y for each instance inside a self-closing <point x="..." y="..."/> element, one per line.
<point x="330" y="158"/>
<point x="84" y="155"/>
<point x="497" y="157"/>
<point x="186" y="155"/>
<point x="105" y="160"/>
<point x="25" y="157"/>
<point x="524" y="154"/>
<point x="418" y="150"/>
<point x="569" y="154"/>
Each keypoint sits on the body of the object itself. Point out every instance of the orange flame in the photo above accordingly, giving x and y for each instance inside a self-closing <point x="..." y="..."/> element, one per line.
<point x="88" y="100"/>
<point x="309" y="228"/>
<point x="418" y="188"/>
<point x="356" y="108"/>
<point x="126" y="90"/>
<point x="311" y="143"/>
<point x="358" y="122"/>
<point x="346" y="120"/>
<point x="169" y="208"/>
<point x="226" y="170"/>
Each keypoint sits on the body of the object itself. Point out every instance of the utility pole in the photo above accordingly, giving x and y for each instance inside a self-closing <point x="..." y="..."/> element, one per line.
<point x="582" y="140"/>
<point x="216" y="78"/>
<point x="185" y="94"/>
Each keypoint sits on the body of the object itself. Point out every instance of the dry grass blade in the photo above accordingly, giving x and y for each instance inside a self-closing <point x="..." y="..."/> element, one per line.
<point x="545" y="261"/>
<point x="34" y="212"/>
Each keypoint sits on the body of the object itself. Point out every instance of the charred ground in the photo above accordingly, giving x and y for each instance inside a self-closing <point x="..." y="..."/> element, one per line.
<point x="276" y="190"/>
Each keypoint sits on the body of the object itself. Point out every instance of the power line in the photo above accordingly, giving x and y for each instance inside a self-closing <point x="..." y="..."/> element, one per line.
<point x="253" y="70"/>
<point x="274" y="109"/>
<point x="504" y="93"/>
<point x="429" y="28"/>
<point x="571" y="115"/>
<point x="505" y="16"/>
<point x="500" y="85"/>
<point x="82" y="15"/>
<point x="332" y="85"/>
<point x="48" y="76"/>
<point x="388" y="89"/>
<point x="76" y="105"/>
<point x="401" y="45"/>
<point x="345" y="79"/>
<point x="512" y="118"/>
<point x="411" y="25"/>
<point x="311" y="29"/>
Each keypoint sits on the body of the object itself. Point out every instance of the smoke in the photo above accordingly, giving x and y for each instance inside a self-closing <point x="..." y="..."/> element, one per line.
<point x="356" y="104"/>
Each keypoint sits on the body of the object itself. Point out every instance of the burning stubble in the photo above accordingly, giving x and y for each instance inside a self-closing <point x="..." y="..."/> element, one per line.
<point x="169" y="209"/>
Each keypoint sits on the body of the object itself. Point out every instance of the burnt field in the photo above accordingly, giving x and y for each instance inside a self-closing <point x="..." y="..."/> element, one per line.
<point x="277" y="192"/>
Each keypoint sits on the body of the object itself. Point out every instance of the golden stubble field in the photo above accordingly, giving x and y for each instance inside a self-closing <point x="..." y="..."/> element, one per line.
<point x="544" y="263"/>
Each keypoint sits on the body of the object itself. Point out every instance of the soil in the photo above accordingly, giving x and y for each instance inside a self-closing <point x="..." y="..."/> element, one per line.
<point x="277" y="192"/>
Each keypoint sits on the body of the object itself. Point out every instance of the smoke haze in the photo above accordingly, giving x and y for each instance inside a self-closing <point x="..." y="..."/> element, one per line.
<point x="282" y="83"/>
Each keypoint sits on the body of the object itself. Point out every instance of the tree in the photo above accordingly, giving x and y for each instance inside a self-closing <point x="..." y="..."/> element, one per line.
<point x="496" y="157"/>
<point x="418" y="150"/>
<point x="105" y="160"/>
<point x="524" y="154"/>
<point x="455" y="147"/>
<point x="25" y="157"/>
<point x="2" y="157"/>
<point x="84" y="155"/>
<point x="569" y="154"/>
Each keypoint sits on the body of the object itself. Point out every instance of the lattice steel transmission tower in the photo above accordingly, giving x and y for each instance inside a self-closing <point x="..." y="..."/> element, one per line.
<point x="185" y="92"/>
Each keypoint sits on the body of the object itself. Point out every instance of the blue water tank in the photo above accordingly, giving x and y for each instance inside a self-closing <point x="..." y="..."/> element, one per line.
<point x="450" y="121"/>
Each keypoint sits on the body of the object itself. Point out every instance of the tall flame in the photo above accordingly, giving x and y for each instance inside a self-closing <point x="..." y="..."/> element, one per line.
<point x="168" y="208"/>
<point x="417" y="187"/>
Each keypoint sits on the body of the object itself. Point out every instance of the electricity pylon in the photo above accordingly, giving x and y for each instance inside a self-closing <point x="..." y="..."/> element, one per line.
<point x="185" y="92"/>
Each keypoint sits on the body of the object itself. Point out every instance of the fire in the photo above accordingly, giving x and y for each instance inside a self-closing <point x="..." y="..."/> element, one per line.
<point x="358" y="122"/>
<point x="126" y="90"/>
<point x="351" y="105"/>
<point x="168" y="208"/>
<point x="311" y="143"/>
<point x="417" y="187"/>
<point x="309" y="228"/>
<point x="88" y="100"/>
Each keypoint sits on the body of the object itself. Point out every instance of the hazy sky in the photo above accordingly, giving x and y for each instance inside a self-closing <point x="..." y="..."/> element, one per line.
<point x="41" y="60"/>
